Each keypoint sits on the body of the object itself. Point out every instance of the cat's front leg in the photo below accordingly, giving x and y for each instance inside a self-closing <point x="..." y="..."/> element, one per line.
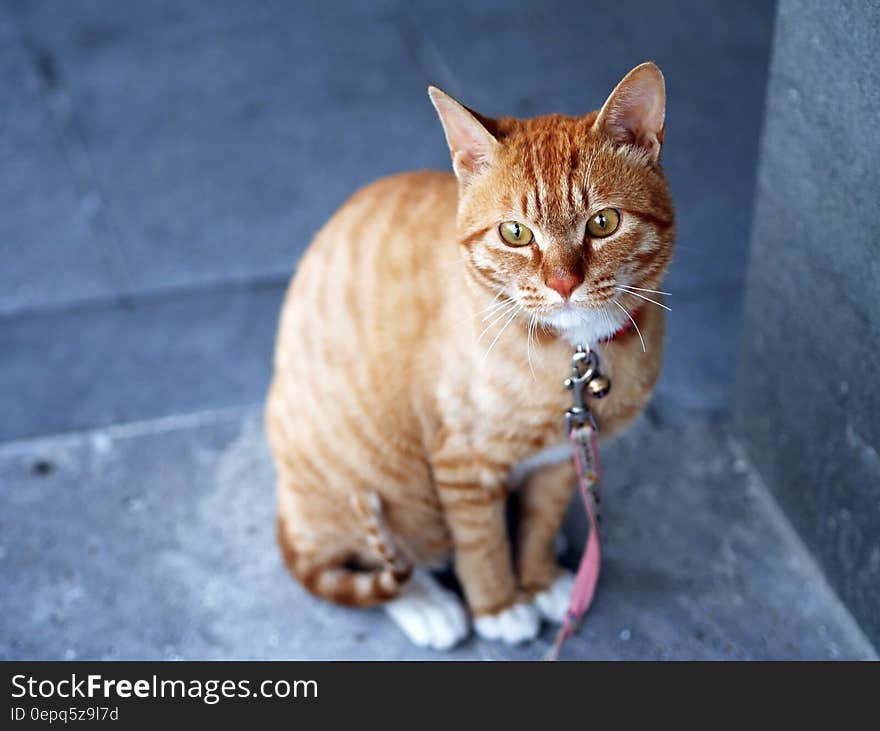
<point x="474" y="505"/>
<point x="545" y="498"/>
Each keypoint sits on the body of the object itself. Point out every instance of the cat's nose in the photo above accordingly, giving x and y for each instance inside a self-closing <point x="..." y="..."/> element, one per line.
<point x="565" y="283"/>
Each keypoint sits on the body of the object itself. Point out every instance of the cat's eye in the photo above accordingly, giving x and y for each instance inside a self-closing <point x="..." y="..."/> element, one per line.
<point x="515" y="234"/>
<point x="604" y="223"/>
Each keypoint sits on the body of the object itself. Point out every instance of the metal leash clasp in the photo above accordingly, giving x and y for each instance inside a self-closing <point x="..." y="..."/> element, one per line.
<point x="584" y="366"/>
<point x="581" y="430"/>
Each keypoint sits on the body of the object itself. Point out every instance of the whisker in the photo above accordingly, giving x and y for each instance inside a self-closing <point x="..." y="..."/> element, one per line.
<point x="501" y="332"/>
<point x="642" y="289"/>
<point x="501" y="306"/>
<point x="511" y="307"/>
<point x="492" y="309"/>
<point x="606" y="318"/>
<point x="644" y="349"/>
<point x="492" y="304"/>
<point x="495" y="298"/>
<point x="529" y="344"/>
<point x="499" y="291"/>
<point x="647" y="299"/>
<point x="489" y="311"/>
<point x="588" y="178"/>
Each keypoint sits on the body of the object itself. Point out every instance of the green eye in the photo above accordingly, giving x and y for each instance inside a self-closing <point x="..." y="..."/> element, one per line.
<point x="604" y="223"/>
<point x="515" y="234"/>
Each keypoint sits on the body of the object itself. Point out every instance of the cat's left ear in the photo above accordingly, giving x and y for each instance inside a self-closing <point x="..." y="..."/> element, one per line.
<point x="635" y="112"/>
<point x="471" y="145"/>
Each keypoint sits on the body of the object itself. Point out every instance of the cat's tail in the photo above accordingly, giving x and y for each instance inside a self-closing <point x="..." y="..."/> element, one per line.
<point x="340" y="582"/>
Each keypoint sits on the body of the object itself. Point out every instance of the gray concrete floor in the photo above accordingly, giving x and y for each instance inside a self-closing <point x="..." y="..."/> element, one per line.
<point x="162" y="167"/>
<point x="156" y="540"/>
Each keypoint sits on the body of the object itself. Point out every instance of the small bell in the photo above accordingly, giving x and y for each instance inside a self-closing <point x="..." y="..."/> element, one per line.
<point x="599" y="386"/>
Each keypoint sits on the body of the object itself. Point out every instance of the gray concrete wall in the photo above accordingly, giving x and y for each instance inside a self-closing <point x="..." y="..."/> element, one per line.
<point x="164" y="164"/>
<point x="808" y="399"/>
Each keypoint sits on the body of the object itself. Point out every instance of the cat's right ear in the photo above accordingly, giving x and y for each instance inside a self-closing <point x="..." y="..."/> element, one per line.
<point x="635" y="112"/>
<point x="471" y="145"/>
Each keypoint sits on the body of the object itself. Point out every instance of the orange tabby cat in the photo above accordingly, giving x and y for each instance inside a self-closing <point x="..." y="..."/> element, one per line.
<point x="422" y="347"/>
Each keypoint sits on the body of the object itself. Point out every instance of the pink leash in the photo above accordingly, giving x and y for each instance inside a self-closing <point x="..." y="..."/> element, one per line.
<point x="582" y="433"/>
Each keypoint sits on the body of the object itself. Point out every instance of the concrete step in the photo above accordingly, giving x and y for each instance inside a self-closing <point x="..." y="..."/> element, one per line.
<point x="156" y="540"/>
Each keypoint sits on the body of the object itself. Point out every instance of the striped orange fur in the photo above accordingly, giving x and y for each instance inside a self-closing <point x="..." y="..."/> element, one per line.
<point x="393" y="424"/>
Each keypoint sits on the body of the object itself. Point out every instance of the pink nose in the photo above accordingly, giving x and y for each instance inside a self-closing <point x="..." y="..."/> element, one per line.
<point x="565" y="284"/>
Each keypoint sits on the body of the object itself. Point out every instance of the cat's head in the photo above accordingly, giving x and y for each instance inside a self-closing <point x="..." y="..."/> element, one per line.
<point x="563" y="214"/>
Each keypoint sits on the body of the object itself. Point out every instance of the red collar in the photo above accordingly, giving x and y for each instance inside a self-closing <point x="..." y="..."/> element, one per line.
<point x="625" y="328"/>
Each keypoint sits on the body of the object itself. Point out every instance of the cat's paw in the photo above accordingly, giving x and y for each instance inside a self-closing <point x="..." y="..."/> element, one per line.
<point x="515" y="624"/>
<point x="552" y="603"/>
<point x="428" y="614"/>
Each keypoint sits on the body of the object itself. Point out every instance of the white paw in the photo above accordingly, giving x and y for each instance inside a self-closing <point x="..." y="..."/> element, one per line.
<point x="428" y="614"/>
<point x="553" y="602"/>
<point x="515" y="624"/>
